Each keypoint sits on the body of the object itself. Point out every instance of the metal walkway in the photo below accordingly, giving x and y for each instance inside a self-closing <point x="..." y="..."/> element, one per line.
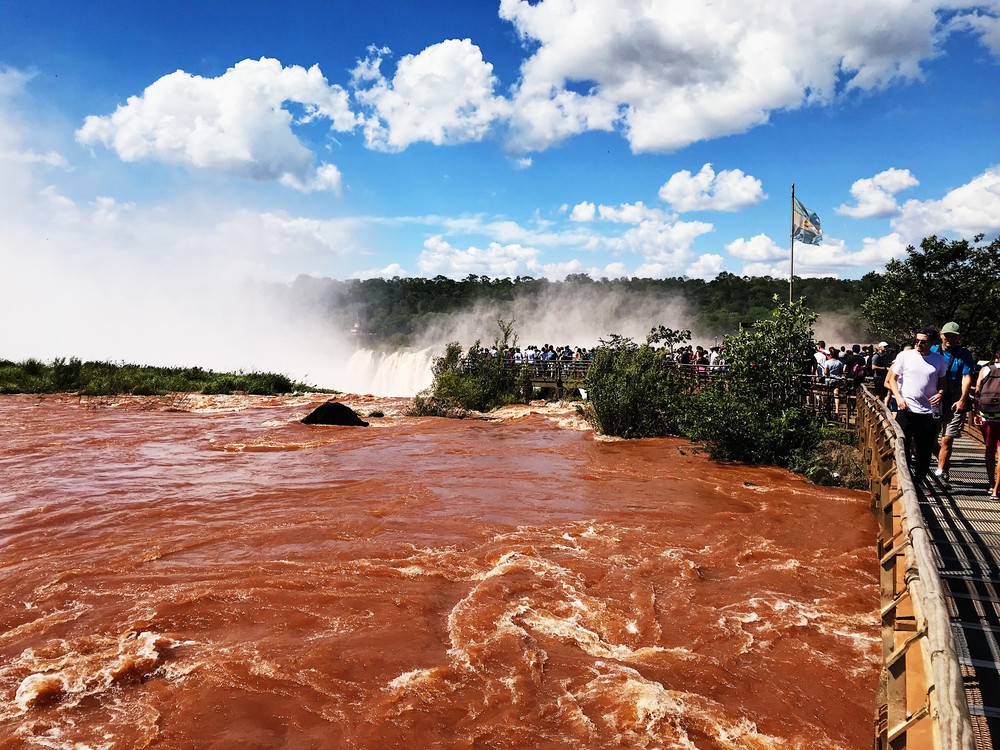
<point x="964" y="527"/>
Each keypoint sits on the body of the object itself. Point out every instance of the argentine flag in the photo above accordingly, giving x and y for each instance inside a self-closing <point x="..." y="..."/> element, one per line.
<point x="805" y="225"/>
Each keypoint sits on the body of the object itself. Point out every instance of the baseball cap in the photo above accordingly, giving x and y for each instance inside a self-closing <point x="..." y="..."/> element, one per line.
<point x="951" y="327"/>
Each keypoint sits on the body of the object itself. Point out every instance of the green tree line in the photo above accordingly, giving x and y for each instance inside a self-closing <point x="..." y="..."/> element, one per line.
<point x="939" y="281"/>
<point x="392" y="313"/>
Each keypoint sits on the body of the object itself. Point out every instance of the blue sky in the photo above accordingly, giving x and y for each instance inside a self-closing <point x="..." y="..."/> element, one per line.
<point x="613" y="138"/>
<point x="158" y="152"/>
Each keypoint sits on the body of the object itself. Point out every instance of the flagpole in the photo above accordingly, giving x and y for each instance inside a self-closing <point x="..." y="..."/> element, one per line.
<point x="791" y="254"/>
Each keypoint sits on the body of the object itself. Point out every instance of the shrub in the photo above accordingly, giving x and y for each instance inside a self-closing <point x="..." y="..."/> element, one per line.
<point x="33" y="367"/>
<point x="475" y="381"/>
<point x="107" y="378"/>
<point x="67" y="376"/>
<point x="634" y="390"/>
<point x="428" y="405"/>
<point x="753" y="414"/>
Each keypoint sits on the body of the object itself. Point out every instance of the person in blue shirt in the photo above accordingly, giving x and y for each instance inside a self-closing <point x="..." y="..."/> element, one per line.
<point x="956" y="403"/>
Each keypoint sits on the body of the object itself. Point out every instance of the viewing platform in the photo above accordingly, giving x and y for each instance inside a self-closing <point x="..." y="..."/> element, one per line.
<point x="939" y="554"/>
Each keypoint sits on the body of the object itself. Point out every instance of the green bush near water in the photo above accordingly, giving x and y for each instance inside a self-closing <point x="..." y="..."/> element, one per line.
<point x="107" y="379"/>
<point x="753" y="414"/>
<point x="472" y="382"/>
<point x="632" y="390"/>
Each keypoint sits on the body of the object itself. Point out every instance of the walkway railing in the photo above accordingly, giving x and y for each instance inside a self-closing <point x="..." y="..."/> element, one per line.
<point x="834" y="402"/>
<point x="921" y="698"/>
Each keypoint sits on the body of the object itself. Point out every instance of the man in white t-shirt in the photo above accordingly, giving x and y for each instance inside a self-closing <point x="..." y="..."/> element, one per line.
<point x="917" y="379"/>
<point x="820" y="356"/>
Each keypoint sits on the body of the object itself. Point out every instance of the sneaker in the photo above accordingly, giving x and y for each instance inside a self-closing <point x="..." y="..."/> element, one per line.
<point x="941" y="474"/>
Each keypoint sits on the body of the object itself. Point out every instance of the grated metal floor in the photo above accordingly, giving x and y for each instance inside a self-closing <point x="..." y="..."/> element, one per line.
<point x="965" y="526"/>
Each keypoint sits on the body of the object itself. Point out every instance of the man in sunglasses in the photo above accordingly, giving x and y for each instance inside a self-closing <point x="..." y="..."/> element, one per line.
<point x="917" y="379"/>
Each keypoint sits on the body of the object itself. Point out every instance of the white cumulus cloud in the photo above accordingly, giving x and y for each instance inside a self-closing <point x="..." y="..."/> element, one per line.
<point x="984" y="24"/>
<point x="758" y="248"/>
<point x="876" y="196"/>
<point x="391" y="270"/>
<point x="236" y="123"/>
<point x="729" y="190"/>
<point x="968" y="210"/>
<point x="673" y="72"/>
<point x="444" y="95"/>
<point x="664" y="246"/>
<point x="631" y="213"/>
<point x="832" y="258"/>
<point x="500" y="260"/>
<point x="583" y="212"/>
<point x="440" y="257"/>
<point x="625" y="213"/>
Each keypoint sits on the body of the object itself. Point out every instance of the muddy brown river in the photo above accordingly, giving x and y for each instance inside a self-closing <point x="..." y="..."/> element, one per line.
<point x="207" y="572"/>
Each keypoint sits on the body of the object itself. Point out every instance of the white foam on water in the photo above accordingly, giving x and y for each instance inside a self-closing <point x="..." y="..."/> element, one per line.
<point x="416" y="571"/>
<point x="569" y="629"/>
<point x="644" y="713"/>
<point x="74" y="676"/>
<point x="411" y="679"/>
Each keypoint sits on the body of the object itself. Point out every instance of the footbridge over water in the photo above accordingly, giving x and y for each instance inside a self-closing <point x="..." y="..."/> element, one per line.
<point x="939" y="554"/>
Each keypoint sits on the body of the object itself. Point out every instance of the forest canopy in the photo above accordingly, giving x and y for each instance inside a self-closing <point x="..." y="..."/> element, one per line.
<point x="391" y="313"/>
<point x="942" y="280"/>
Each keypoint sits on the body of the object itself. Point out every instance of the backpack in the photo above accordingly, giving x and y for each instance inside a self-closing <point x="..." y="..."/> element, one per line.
<point x="989" y="392"/>
<point x="858" y="368"/>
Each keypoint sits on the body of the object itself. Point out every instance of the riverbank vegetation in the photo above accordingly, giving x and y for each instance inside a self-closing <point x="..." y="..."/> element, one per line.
<point x="909" y="295"/>
<point x="472" y="381"/>
<point x="107" y="378"/>
<point x="754" y="413"/>
<point x="632" y="390"/>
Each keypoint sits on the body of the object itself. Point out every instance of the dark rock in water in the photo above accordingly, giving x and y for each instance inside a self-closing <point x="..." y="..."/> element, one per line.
<point x="334" y="412"/>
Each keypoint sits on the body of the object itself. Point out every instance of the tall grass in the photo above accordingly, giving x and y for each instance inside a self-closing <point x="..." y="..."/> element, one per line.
<point x="108" y="378"/>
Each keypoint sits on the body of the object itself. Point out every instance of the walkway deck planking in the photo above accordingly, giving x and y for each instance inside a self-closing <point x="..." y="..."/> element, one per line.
<point x="964" y="525"/>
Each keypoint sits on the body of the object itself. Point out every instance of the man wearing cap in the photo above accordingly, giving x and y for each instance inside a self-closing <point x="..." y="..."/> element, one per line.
<point x="956" y="403"/>
<point x="880" y="368"/>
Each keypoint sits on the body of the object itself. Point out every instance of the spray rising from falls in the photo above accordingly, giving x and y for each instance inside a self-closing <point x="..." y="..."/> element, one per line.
<point x="563" y="317"/>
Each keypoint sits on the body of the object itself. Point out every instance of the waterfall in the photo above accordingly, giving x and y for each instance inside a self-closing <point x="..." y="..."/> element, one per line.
<point x="400" y="373"/>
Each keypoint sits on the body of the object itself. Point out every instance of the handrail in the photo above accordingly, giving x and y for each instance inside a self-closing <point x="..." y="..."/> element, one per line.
<point x="946" y="703"/>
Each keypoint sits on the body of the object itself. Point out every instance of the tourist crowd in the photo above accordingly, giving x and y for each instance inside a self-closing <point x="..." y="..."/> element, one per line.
<point x="932" y="384"/>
